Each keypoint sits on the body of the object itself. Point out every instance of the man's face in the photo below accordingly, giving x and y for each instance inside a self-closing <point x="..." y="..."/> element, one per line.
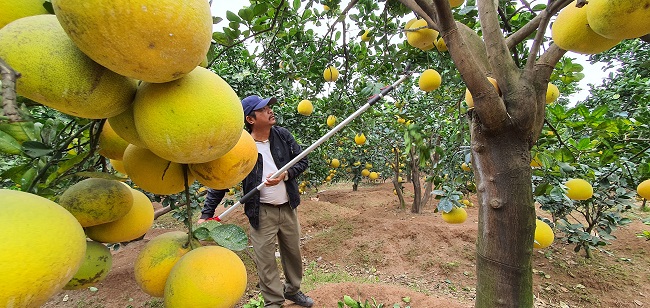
<point x="265" y="115"/>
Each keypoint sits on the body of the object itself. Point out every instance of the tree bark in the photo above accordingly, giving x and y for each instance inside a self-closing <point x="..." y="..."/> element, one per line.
<point x="417" y="187"/>
<point x="506" y="223"/>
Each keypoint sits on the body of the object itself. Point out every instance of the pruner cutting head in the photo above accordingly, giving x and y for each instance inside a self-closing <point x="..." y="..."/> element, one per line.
<point x="407" y="68"/>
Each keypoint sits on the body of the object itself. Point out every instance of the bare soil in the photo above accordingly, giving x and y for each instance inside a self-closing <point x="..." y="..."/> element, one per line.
<point x="362" y="244"/>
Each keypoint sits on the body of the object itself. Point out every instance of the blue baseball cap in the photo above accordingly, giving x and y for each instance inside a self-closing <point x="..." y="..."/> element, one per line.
<point x="254" y="102"/>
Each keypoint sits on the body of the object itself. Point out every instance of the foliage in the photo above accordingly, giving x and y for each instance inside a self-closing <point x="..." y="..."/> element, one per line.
<point x="255" y="302"/>
<point x="350" y="302"/>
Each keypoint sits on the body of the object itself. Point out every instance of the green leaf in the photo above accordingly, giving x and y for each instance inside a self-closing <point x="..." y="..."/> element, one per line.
<point x="216" y="20"/>
<point x="230" y="236"/>
<point x="28" y="177"/>
<point x="232" y="16"/>
<point x="202" y="233"/>
<point x="21" y="131"/>
<point x="222" y="39"/>
<point x="36" y="149"/>
<point x="246" y="14"/>
<point x="296" y="4"/>
<point x="9" y="144"/>
<point x="259" y="9"/>
<point x="65" y="166"/>
<point x="584" y="144"/>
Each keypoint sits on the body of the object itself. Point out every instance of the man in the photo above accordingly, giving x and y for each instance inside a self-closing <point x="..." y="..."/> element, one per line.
<point x="272" y="213"/>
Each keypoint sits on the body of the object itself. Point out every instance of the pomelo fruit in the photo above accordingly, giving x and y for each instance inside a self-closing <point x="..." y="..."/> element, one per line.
<point x="544" y="235"/>
<point x="429" y="80"/>
<point x="16" y="9"/>
<point x="192" y="120"/>
<point x="153" y="173"/>
<point x="95" y="267"/>
<point x="331" y="74"/>
<point x="209" y="276"/>
<point x="579" y="189"/>
<point x="123" y="125"/>
<point x="43" y="245"/>
<point x="111" y="145"/>
<point x="619" y="19"/>
<point x="231" y="168"/>
<point x="305" y="107"/>
<point x="156" y="259"/>
<point x="457" y="215"/>
<point x="96" y="201"/>
<point x="55" y="73"/>
<point x="130" y="227"/>
<point x="571" y="31"/>
<point x="150" y="40"/>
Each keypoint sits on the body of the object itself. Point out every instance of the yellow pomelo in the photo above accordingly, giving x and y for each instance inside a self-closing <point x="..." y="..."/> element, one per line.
<point x="231" y="168"/>
<point x="424" y="38"/>
<point x="365" y="36"/>
<point x="43" y="245"/>
<point x="96" y="201"/>
<point x="543" y="235"/>
<point x="373" y="175"/>
<point x="456" y="3"/>
<point x="331" y="74"/>
<point x="123" y="125"/>
<point x="644" y="189"/>
<point x="552" y="93"/>
<point x="154" y="174"/>
<point x="210" y="276"/>
<point x="465" y="167"/>
<point x="130" y="227"/>
<point x="95" y="267"/>
<point x="619" y="19"/>
<point x="365" y="172"/>
<point x="156" y="259"/>
<point x="118" y="165"/>
<point x="11" y="10"/>
<point x="572" y="32"/>
<point x="55" y="73"/>
<point x="195" y="119"/>
<point x="578" y="189"/>
<point x="429" y="80"/>
<point x="335" y="163"/>
<point x="150" y="40"/>
<point x="111" y="145"/>
<point x="305" y="107"/>
<point x="360" y="139"/>
<point x="457" y="215"/>
<point x="368" y="165"/>
<point x="326" y="8"/>
<point x="331" y="120"/>
<point x="468" y="95"/>
<point x="441" y="45"/>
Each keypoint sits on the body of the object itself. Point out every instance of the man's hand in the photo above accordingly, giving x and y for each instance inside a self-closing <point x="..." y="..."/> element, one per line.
<point x="200" y="221"/>
<point x="275" y="181"/>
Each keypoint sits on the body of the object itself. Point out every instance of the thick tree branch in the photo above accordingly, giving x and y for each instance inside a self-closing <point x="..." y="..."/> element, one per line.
<point x="417" y="9"/>
<point x="546" y="64"/>
<point x="9" y="77"/>
<point x="506" y="72"/>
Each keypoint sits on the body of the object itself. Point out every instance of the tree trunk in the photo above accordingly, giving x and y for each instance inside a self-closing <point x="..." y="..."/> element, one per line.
<point x="506" y="223"/>
<point x="417" y="188"/>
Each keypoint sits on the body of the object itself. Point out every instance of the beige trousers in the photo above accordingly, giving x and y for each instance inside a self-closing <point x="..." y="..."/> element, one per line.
<point x="277" y="223"/>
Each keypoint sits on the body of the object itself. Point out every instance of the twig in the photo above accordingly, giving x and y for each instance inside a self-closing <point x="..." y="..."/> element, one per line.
<point x="9" y="77"/>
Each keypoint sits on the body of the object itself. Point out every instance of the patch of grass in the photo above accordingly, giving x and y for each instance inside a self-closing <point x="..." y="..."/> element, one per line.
<point x="154" y="303"/>
<point x="331" y="240"/>
<point x="315" y="276"/>
<point x="82" y="303"/>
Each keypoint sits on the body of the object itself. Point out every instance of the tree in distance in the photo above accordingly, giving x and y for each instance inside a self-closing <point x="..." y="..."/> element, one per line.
<point x="95" y="267"/>
<point x="305" y="107"/>
<point x="572" y="32"/>
<point x="55" y="73"/>
<point x="209" y="276"/>
<point x="544" y="235"/>
<point x="43" y="245"/>
<point x="111" y="145"/>
<point x="135" y="42"/>
<point x="156" y="259"/>
<point x="153" y="173"/>
<point x="192" y="120"/>
<point x="130" y="227"/>
<point x="429" y="80"/>
<point x="231" y="168"/>
<point x="331" y="74"/>
<point x="457" y="215"/>
<point x="97" y="201"/>
<point x="578" y="189"/>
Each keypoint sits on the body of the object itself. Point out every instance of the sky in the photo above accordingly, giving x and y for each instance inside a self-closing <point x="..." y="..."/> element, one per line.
<point x="594" y="74"/>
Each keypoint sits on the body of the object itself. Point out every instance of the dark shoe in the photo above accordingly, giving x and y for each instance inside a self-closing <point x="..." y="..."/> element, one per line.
<point x="300" y="299"/>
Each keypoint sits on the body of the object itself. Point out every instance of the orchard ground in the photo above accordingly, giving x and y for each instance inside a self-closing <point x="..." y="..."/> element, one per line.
<point x="362" y="244"/>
